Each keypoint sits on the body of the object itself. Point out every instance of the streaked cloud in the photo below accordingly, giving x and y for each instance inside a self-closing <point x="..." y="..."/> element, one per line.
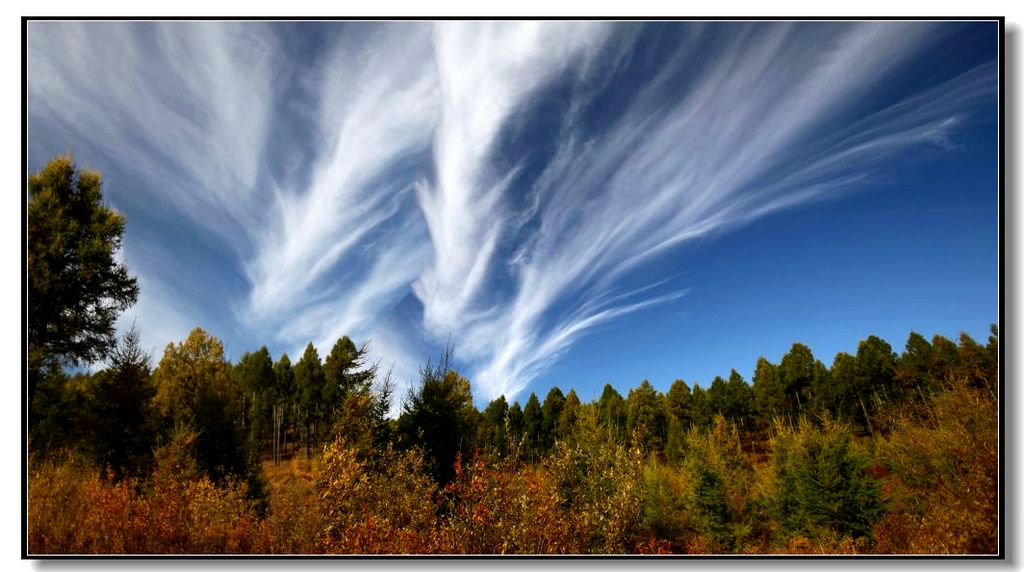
<point x="477" y="172"/>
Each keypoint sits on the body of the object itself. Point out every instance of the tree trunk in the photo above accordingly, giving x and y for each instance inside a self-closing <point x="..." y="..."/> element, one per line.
<point x="867" y="418"/>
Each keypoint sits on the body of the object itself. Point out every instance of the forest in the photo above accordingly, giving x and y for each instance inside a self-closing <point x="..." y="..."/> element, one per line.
<point x="880" y="451"/>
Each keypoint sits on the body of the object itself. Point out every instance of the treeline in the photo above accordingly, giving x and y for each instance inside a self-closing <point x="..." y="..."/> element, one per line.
<point x="906" y="462"/>
<point x="198" y="416"/>
<point x="264" y="409"/>
<point x="855" y="389"/>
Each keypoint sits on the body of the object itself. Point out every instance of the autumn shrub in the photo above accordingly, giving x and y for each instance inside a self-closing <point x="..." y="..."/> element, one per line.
<point x="385" y="508"/>
<point x="599" y="484"/>
<point x="292" y="520"/>
<point x="716" y="490"/>
<point x="503" y="508"/>
<point x="663" y="510"/>
<point x="821" y="485"/>
<point x="74" y="509"/>
<point x="944" y="461"/>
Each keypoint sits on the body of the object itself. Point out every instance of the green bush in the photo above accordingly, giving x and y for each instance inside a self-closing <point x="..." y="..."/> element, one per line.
<point x="718" y="484"/>
<point x="821" y="486"/>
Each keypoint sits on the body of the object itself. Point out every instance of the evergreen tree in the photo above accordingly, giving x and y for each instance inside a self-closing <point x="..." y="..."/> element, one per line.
<point x="550" y="411"/>
<point x="876" y="374"/>
<point x="702" y="413"/>
<point x="566" y="423"/>
<point x="515" y="423"/>
<point x="716" y="396"/>
<point x="796" y="372"/>
<point x="76" y="287"/>
<point x="309" y="382"/>
<point x="913" y="370"/>
<point x="439" y="416"/>
<point x="769" y="392"/>
<point x="123" y="424"/>
<point x="611" y="412"/>
<point x="254" y="374"/>
<point x="194" y="388"/>
<point x="492" y="430"/>
<point x="739" y="399"/>
<point x="822" y="484"/>
<point x="945" y="358"/>
<point x="284" y="404"/>
<point x="976" y="365"/>
<point x="533" y="424"/>
<point x="679" y="408"/>
<point x="646" y="421"/>
<point x="680" y="403"/>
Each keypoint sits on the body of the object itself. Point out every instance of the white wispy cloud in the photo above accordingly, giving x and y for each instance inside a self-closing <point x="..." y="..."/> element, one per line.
<point x="378" y="106"/>
<point x="182" y="109"/>
<point x="742" y="139"/>
<point x="408" y="187"/>
<point x="487" y="71"/>
<point x="185" y="106"/>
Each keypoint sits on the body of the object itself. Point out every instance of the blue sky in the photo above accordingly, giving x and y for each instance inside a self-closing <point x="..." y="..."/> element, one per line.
<point x="571" y="203"/>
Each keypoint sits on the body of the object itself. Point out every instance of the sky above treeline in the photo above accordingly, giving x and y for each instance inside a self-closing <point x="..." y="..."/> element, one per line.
<point x="567" y="203"/>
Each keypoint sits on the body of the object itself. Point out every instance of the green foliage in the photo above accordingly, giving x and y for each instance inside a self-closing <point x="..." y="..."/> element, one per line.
<point x="439" y="417"/>
<point x="945" y="358"/>
<point x="680" y="414"/>
<point x="566" y="423"/>
<point x="76" y="287"/>
<point x="914" y="367"/>
<point x="718" y="479"/>
<point x="551" y="410"/>
<point x="194" y="387"/>
<point x="515" y="423"/>
<point x="345" y="370"/>
<point x="702" y="413"/>
<point x="646" y="419"/>
<point x="769" y="391"/>
<point x="738" y="402"/>
<point x="977" y="365"/>
<point x="796" y="374"/>
<point x="611" y="412"/>
<point x="362" y="417"/>
<point x="821" y="483"/>
<point x="730" y="484"/>
<point x="533" y="425"/>
<point x="309" y="383"/>
<point x="876" y="368"/>
<point x="492" y="431"/>
<point x="61" y="401"/>
<point x="679" y="402"/>
<point x="122" y="426"/>
<point x="255" y="378"/>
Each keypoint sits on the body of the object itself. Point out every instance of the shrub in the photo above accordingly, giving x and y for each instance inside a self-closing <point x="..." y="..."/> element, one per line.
<point x="503" y="509"/>
<point x="599" y="483"/>
<point x="944" y="460"/>
<point x="821" y="483"/>
<point x="72" y="509"/>
<point x="386" y="508"/>
<point x="717" y="482"/>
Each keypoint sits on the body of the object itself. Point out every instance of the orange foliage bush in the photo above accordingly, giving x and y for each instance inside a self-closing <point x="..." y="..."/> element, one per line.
<point x="503" y="509"/>
<point x="74" y="510"/>
<point x="943" y="489"/>
<point x="383" y="508"/>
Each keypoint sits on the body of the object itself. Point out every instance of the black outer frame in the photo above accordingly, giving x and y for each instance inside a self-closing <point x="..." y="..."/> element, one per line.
<point x="1001" y="222"/>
